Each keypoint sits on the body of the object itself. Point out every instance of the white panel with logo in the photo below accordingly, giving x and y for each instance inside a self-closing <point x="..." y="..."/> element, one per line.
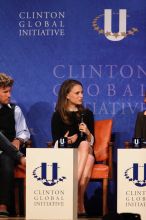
<point x="132" y="181"/>
<point x="51" y="183"/>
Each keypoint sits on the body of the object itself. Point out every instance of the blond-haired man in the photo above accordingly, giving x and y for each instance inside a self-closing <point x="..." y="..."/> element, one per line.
<point x="13" y="131"/>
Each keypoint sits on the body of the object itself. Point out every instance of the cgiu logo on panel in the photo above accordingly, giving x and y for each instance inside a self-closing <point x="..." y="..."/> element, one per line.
<point x="136" y="174"/>
<point x="48" y="174"/>
<point x="107" y="30"/>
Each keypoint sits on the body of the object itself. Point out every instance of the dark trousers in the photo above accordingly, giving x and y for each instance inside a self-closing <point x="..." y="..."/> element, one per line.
<point x="8" y="159"/>
<point x="9" y="149"/>
<point x="6" y="179"/>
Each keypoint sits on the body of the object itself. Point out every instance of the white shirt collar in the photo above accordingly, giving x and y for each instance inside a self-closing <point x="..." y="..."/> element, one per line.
<point x="7" y="105"/>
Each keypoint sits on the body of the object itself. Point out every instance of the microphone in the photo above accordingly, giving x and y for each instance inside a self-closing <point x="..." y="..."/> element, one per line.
<point x="82" y="120"/>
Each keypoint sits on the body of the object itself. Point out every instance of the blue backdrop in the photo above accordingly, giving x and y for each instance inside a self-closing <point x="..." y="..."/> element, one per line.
<point x="42" y="43"/>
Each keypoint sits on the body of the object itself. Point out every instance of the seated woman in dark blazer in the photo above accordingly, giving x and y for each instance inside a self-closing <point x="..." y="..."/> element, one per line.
<point x="140" y="125"/>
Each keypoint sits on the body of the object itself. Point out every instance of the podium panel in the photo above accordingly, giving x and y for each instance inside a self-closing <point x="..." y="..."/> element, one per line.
<point x="131" y="195"/>
<point x="51" y="183"/>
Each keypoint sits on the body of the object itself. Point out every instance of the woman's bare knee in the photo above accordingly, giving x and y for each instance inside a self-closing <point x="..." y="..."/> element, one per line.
<point x="84" y="146"/>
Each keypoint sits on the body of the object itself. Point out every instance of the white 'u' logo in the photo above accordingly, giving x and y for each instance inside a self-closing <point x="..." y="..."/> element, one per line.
<point x="108" y="24"/>
<point x="62" y="141"/>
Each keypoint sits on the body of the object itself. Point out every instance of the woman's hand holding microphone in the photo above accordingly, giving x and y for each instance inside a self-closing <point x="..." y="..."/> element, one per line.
<point x="83" y="128"/>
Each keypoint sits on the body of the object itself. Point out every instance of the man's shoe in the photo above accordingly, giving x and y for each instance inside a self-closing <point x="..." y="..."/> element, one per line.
<point x="82" y="215"/>
<point x="4" y="214"/>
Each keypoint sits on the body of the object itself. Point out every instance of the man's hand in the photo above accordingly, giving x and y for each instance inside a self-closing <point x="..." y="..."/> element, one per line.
<point x="16" y="143"/>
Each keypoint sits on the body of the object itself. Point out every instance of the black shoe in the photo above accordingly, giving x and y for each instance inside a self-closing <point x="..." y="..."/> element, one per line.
<point x="4" y="214"/>
<point x="82" y="215"/>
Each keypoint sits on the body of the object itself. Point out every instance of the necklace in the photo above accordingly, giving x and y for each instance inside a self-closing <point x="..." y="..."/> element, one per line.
<point x="73" y="109"/>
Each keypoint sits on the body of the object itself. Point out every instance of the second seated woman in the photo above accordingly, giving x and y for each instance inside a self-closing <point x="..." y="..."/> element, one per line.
<point x="140" y="125"/>
<point x="75" y="122"/>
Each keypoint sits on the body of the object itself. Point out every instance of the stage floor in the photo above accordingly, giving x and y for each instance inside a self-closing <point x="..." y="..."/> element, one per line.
<point x="18" y="218"/>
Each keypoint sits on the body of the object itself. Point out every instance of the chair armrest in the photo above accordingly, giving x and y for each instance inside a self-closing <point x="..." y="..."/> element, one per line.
<point x="110" y="159"/>
<point x="127" y="144"/>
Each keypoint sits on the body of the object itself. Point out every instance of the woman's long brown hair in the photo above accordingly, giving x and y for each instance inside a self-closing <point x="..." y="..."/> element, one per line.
<point x="61" y="105"/>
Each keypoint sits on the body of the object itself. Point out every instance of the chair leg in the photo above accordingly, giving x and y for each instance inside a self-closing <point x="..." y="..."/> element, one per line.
<point x="104" y="197"/>
<point x="16" y="199"/>
<point x="24" y="196"/>
<point x="20" y="196"/>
